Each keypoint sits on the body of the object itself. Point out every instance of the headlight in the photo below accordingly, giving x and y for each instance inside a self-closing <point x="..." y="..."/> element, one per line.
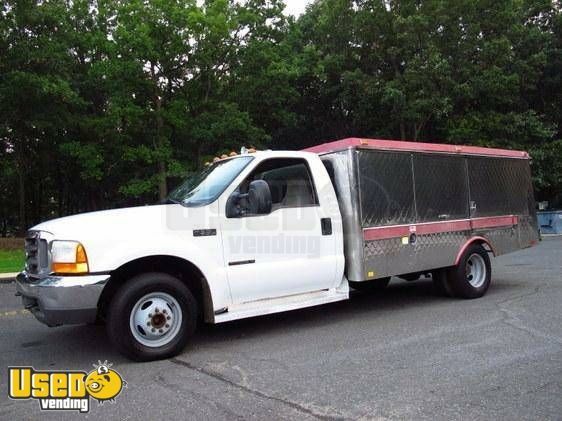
<point x="68" y="257"/>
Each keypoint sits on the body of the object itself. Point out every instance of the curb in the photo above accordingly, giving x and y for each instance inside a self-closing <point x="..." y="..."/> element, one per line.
<point x="7" y="278"/>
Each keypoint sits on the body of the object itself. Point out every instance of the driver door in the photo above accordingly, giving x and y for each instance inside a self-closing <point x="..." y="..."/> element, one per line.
<point x="284" y="252"/>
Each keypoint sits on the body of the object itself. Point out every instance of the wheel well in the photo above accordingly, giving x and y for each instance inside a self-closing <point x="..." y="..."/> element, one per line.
<point x="475" y="240"/>
<point x="180" y="268"/>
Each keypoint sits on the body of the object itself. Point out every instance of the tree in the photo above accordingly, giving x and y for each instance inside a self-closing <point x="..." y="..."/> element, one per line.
<point x="106" y="103"/>
<point x="37" y="99"/>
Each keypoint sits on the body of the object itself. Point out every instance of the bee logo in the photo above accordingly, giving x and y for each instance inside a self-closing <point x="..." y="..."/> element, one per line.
<point x="103" y="383"/>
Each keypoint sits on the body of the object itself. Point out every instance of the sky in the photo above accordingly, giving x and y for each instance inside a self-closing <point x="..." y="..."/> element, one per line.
<point x="296" y="7"/>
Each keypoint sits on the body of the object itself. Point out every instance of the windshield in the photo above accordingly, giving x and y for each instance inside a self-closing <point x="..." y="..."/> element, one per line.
<point x="206" y="186"/>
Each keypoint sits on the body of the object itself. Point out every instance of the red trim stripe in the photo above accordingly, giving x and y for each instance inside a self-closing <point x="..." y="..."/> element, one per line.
<point x="394" y="231"/>
<point x="394" y="145"/>
<point x="494" y="221"/>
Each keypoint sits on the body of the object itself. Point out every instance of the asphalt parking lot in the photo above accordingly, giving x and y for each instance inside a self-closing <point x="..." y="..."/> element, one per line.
<point x="401" y="354"/>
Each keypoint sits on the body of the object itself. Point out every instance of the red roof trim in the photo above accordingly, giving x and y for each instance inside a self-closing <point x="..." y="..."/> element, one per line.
<point x="397" y="145"/>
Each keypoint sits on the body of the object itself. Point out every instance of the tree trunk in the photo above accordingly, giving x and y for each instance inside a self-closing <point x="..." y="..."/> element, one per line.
<point x="21" y="196"/>
<point x="402" y="129"/>
<point x="60" y="188"/>
<point x="198" y="163"/>
<point x="162" y="185"/>
<point x="161" y="165"/>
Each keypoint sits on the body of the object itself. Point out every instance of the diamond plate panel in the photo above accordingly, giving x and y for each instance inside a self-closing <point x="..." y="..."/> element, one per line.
<point x="441" y="187"/>
<point x="439" y="240"/>
<point x="528" y="230"/>
<point x="499" y="186"/>
<point x="388" y="257"/>
<point x="386" y="188"/>
<point x="381" y="247"/>
<point x="391" y="257"/>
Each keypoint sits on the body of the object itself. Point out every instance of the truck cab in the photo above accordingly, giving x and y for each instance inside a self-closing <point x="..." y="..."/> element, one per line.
<point x="251" y="234"/>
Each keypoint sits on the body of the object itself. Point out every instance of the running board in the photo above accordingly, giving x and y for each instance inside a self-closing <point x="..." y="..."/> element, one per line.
<point x="277" y="305"/>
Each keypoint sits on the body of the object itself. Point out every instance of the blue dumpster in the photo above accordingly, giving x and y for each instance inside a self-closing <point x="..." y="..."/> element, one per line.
<point x="550" y="222"/>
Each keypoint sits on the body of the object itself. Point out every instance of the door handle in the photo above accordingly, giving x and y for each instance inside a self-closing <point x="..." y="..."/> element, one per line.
<point x="326" y="224"/>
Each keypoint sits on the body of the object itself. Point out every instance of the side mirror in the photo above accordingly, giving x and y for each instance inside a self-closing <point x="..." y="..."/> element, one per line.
<point x="259" y="198"/>
<point x="256" y="202"/>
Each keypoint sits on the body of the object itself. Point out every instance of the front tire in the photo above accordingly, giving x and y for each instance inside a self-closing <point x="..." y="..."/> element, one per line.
<point x="472" y="276"/>
<point x="151" y="317"/>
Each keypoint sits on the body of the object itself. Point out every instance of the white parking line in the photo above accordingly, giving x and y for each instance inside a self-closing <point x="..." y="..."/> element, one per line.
<point x="13" y="313"/>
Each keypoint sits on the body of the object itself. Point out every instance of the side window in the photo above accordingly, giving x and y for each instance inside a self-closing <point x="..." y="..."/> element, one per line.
<point x="332" y="174"/>
<point x="289" y="180"/>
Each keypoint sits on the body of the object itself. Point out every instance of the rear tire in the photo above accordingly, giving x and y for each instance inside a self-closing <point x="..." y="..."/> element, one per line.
<point x="151" y="317"/>
<point x="472" y="276"/>
<point x="441" y="283"/>
<point x="368" y="286"/>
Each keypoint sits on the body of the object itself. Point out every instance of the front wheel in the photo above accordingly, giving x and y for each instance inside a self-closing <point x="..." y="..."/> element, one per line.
<point x="152" y="317"/>
<point x="472" y="276"/>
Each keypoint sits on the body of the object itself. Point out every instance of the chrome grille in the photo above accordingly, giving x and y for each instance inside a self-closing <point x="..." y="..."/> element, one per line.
<point x="36" y="254"/>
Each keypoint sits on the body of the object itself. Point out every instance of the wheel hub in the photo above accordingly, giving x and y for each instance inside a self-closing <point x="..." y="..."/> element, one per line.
<point x="155" y="319"/>
<point x="158" y="320"/>
<point x="476" y="270"/>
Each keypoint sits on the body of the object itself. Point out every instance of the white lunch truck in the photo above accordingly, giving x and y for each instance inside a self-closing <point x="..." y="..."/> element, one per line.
<point x="272" y="231"/>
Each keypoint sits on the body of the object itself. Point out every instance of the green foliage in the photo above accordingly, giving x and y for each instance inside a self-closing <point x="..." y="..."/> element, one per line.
<point x="105" y="102"/>
<point x="547" y="170"/>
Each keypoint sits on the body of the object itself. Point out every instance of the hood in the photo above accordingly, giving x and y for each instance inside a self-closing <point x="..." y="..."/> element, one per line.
<point x="120" y="222"/>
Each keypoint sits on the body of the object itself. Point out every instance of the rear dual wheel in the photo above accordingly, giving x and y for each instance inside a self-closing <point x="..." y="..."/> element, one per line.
<point x="469" y="279"/>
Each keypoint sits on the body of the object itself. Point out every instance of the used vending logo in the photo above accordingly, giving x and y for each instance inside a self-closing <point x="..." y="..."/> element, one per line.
<point x="66" y="390"/>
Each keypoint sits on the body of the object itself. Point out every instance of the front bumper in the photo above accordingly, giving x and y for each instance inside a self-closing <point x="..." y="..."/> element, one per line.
<point x="58" y="300"/>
